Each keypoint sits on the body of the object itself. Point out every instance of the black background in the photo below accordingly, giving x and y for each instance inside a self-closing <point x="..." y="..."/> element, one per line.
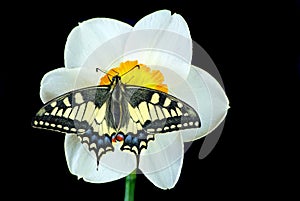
<point x="253" y="45"/>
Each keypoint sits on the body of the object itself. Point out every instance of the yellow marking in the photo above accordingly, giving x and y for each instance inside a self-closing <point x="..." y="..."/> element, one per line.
<point x="95" y="126"/>
<point x="155" y="98"/>
<point x="104" y="128"/>
<point x="190" y="123"/>
<point x="93" y="145"/>
<point x="53" y="104"/>
<point x="67" y="112"/>
<point x="196" y="123"/>
<point x="108" y="148"/>
<point x="73" y="129"/>
<point x="41" y="122"/>
<point x="132" y="113"/>
<point x="137" y="112"/>
<point x="100" y="151"/>
<point x="173" y="113"/>
<point x="152" y="112"/>
<point x="89" y="111"/>
<point x="166" y="112"/>
<point x="185" y="124"/>
<point x="35" y="122"/>
<point x="186" y="114"/>
<point x="59" y="126"/>
<point x="139" y="127"/>
<point x="59" y="113"/>
<point x="180" y="105"/>
<point x="179" y="113"/>
<point x="143" y="143"/>
<point x="66" y="128"/>
<point x="81" y="130"/>
<point x="47" y="124"/>
<point x="101" y="113"/>
<point x="73" y="113"/>
<point x="150" y="130"/>
<point x="173" y="126"/>
<point x="127" y="147"/>
<point x="179" y="125"/>
<point x="166" y="128"/>
<point x="46" y="114"/>
<point x="135" y="149"/>
<point x="159" y="113"/>
<point x="78" y="98"/>
<point x="149" y="136"/>
<point x="54" y="111"/>
<point x="167" y="102"/>
<point x="159" y="129"/>
<point x="52" y="125"/>
<point x="80" y="112"/>
<point x="130" y="126"/>
<point x="144" y="111"/>
<point x="67" y="102"/>
<point x="86" y="139"/>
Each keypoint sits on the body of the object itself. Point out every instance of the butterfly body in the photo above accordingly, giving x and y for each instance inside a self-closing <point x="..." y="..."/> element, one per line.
<point x="116" y="113"/>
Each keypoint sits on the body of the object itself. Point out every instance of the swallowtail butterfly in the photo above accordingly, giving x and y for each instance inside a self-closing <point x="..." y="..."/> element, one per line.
<point x="103" y="115"/>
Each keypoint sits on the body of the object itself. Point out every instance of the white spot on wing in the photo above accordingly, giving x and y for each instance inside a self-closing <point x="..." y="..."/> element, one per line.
<point x="166" y="112"/>
<point x="73" y="113"/>
<point x="53" y="104"/>
<point x="67" y="112"/>
<point x="152" y="112"/>
<point x="173" y="113"/>
<point x="67" y="102"/>
<point x="80" y="112"/>
<point x="54" y="111"/>
<point x="78" y="98"/>
<point x="89" y="111"/>
<point x="59" y="113"/>
<point x="159" y="113"/>
<point x="179" y="113"/>
<point x="144" y="111"/>
<point x="180" y="105"/>
<point x="132" y="113"/>
<point x="101" y="113"/>
<point x="167" y="102"/>
<point x="155" y="98"/>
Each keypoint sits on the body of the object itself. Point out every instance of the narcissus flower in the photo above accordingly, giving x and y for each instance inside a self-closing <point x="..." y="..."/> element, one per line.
<point x="160" y="44"/>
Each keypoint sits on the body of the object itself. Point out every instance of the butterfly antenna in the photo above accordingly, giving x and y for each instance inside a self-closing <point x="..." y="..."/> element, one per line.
<point x="136" y="66"/>
<point x="107" y="74"/>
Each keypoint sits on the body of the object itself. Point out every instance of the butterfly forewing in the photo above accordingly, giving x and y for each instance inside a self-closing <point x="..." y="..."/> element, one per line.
<point x="160" y="112"/>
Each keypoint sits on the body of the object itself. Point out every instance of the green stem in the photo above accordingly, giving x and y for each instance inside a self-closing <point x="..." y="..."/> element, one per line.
<point x="129" y="188"/>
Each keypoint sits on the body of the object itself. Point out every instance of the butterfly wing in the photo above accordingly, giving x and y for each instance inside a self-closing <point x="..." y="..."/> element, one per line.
<point x="154" y="112"/>
<point x="82" y="112"/>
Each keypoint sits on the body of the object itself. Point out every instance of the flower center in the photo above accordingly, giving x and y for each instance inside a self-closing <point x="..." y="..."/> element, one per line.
<point x="142" y="76"/>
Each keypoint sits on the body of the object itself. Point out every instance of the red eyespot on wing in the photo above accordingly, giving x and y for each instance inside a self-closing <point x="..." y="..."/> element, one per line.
<point x="120" y="137"/>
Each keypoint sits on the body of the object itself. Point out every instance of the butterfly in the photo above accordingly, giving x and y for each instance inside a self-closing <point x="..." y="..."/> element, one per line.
<point x="116" y="113"/>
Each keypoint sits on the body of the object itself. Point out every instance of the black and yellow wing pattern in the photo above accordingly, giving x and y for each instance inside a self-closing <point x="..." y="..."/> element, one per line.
<point x="103" y="115"/>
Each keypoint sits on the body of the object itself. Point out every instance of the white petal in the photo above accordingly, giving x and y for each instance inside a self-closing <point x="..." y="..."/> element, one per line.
<point x="62" y="80"/>
<point x="161" y="162"/>
<point x="163" y="20"/>
<point x="81" y="162"/>
<point x="161" y="39"/>
<point x="211" y="103"/>
<point x="88" y="36"/>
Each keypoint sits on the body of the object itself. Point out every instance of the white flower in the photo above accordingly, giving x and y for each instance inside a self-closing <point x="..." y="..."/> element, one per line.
<point x="161" y="41"/>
